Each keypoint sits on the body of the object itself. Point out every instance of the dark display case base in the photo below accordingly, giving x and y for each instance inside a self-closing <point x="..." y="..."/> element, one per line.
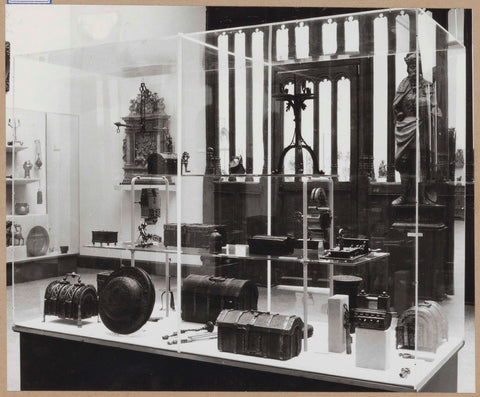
<point x="50" y="363"/>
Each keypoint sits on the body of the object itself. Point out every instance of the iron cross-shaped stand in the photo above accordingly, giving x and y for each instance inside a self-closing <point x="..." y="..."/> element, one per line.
<point x="297" y="103"/>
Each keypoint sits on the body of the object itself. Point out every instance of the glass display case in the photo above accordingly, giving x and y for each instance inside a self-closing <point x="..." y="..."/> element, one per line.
<point x="281" y="198"/>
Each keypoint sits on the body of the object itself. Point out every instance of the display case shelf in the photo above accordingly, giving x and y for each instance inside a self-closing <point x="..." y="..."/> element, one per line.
<point x="160" y="187"/>
<point x="17" y="148"/>
<point x="28" y="216"/>
<point x="21" y="181"/>
<point x="18" y="254"/>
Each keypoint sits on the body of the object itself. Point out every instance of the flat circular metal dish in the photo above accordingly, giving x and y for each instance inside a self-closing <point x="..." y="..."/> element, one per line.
<point x="126" y="300"/>
<point x="37" y="241"/>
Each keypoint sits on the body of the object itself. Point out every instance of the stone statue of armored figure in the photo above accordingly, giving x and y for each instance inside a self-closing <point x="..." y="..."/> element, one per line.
<point x="405" y="110"/>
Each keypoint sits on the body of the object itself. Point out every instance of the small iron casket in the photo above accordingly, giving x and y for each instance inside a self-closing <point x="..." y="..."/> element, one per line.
<point x="204" y="297"/>
<point x="75" y="301"/>
<point x="260" y="334"/>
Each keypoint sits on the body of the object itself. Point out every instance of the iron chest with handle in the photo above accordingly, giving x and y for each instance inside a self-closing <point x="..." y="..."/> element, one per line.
<point x="260" y="334"/>
<point x="204" y="297"/>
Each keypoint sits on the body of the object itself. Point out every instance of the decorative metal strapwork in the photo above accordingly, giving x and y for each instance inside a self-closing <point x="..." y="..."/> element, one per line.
<point x="145" y="94"/>
<point x="297" y="103"/>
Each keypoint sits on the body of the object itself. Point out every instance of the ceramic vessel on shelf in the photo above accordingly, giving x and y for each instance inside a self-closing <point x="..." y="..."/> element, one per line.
<point x="22" y="208"/>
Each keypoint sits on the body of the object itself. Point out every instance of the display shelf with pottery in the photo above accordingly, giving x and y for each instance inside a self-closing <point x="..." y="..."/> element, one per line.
<point x="28" y="223"/>
<point x="37" y="241"/>
<point x="18" y="255"/>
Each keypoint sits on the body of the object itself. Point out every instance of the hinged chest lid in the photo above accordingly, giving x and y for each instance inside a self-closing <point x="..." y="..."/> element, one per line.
<point x="218" y="286"/>
<point x="255" y="320"/>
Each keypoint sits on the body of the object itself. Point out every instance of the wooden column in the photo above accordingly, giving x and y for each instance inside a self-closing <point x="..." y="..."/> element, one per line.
<point x="366" y="35"/>
<point x="340" y="36"/>
<point x="441" y="79"/>
<point x="362" y="160"/>
<point x="315" y="38"/>
<point x="316" y="121"/>
<point x="211" y="123"/>
<point x="391" y="79"/>
<point x="211" y="97"/>
<point x="291" y="41"/>
<point x="365" y="73"/>
<point x="413" y="30"/>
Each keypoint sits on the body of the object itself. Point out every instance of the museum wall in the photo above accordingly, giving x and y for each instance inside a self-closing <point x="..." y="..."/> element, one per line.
<point x="99" y="101"/>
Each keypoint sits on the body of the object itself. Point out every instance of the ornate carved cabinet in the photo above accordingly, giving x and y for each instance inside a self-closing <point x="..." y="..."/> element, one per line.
<point x="146" y="132"/>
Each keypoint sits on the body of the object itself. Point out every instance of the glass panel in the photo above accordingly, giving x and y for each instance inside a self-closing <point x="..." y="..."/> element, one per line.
<point x="329" y="32"/>
<point x="343" y="129"/>
<point x="199" y="122"/>
<point x="441" y="133"/>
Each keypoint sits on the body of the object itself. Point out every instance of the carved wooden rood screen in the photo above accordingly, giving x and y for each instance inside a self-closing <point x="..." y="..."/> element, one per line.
<point x="236" y="85"/>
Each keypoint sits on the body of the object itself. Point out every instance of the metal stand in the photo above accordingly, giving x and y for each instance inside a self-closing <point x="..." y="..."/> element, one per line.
<point x="132" y="229"/>
<point x="296" y="102"/>
<point x="305" y="259"/>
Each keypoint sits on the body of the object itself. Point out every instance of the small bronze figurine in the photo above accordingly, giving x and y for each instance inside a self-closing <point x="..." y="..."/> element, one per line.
<point x="9" y="233"/>
<point x="185" y="157"/>
<point x="27" y="166"/>
<point x="17" y="237"/>
<point x="382" y="170"/>
<point x="236" y="167"/>
<point x="169" y="143"/>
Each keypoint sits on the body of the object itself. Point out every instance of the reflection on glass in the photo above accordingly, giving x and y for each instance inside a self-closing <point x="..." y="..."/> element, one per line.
<point x="258" y="81"/>
<point x="240" y="96"/>
<point x="329" y="37"/>
<point x="325" y="124"/>
<point x="282" y="43"/>
<point x="223" y="103"/>
<point x="351" y="35"/>
<point x="343" y="129"/>
<point x="302" y="43"/>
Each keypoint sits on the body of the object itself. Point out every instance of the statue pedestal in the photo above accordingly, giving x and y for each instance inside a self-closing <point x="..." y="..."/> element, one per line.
<point x="427" y="213"/>
<point x="432" y="247"/>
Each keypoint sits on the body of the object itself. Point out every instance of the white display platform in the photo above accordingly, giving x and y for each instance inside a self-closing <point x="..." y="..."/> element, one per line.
<point x="316" y="363"/>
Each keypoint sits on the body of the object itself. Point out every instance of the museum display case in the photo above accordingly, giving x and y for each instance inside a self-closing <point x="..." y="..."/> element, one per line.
<point x="282" y="199"/>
